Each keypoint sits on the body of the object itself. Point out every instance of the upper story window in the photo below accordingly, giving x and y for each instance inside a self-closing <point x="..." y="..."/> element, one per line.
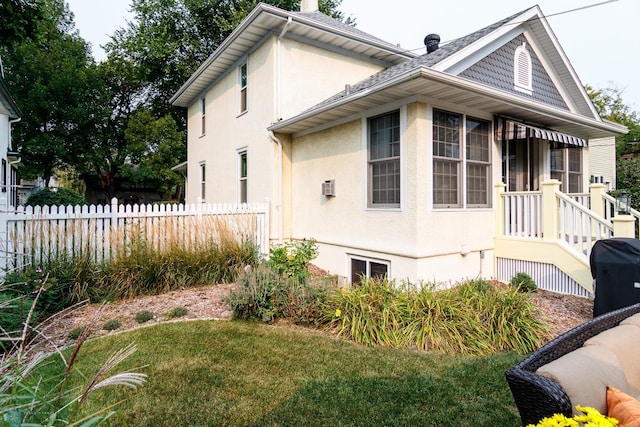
<point x="457" y="171"/>
<point x="203" y="112"/>
<point x="243" y="87"/>
<point x="384" y="161"/>
<point x="522" y="70"/>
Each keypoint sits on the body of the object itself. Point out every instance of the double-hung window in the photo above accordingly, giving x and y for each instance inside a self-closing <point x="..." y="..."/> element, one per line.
<point x="459" y="172"/>
<point x="203" y="110"/>
<point x="203" y="180"/>
<point x="384" y="161"/>
<point x="243" y="176"/>
<point x="243" y="87"/>
<point x="566" y="167"/>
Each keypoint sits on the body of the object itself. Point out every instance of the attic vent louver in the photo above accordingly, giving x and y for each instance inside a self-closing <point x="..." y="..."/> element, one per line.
<point x="432" y="42"/>
<point x="522" y="72"/>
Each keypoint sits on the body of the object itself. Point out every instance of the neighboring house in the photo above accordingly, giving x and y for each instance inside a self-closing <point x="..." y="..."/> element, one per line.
<point x="9" y="159"/>
<point x="392" y="161"/>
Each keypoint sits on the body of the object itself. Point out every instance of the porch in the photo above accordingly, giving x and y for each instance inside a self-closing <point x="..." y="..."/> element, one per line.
<point x="549" y="234"/>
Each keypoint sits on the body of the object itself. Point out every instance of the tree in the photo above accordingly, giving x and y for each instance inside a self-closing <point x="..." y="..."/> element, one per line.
<point x="19" y="20"/>
<point x="168" y="39"/>
<point x="156" y="146"/>
<point x="611" y="106"/>
<point x="51" y="75"/>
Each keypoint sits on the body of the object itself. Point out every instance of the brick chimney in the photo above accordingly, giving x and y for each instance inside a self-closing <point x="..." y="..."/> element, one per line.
<point x="308" y="5"/>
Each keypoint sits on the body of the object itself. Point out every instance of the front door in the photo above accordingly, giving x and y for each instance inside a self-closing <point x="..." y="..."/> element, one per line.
<point x="521" y="164"/>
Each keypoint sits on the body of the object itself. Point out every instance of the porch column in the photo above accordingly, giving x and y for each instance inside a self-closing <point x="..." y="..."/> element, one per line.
<point x="596" y="193"/>
<point x="498" y="190"/>
<point x="550" y="211"/>
<point x="624" y="226"/>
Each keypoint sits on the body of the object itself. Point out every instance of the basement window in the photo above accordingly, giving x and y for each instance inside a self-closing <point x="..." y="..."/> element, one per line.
<point x="367" y="268"/>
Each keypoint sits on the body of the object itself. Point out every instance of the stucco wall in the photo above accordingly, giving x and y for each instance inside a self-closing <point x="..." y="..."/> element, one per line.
<point x="420" y="243"/>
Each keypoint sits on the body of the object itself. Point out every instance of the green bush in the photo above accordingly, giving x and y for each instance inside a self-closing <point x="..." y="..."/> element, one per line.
<point x="523" y="282"/>
<point x="292" y="259"/>
<point x="473" y="317"/>
<point x="111" y="325"/>
<point x="75" y="333"/>
<point x="60" y="197"/>
<point x="144" y="316"/>
<point x="177" y="312"/>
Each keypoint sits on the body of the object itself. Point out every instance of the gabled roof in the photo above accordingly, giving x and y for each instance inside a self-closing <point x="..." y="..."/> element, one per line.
<point x="435" y="75"/>
<point x="7" y="104"/>
<point x="265" y="20"/>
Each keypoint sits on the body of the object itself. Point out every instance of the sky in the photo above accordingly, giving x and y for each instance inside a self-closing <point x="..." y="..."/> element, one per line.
<point x="602" y="42"/>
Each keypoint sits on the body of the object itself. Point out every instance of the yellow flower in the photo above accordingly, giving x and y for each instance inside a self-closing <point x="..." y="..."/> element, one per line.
<point x="591" y="418"/>
<point x="338" y="312"/>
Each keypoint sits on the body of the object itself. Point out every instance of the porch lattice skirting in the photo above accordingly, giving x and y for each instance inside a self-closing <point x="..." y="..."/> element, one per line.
<point x="546" y="276"/>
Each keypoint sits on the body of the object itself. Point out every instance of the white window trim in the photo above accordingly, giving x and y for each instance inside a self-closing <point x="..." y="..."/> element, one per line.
<point x="203" y="123"/>
<point x="403" y="157"/>
<point x="368" y="260"/>
<point x="522" y="64"/>
<point x="243" y="88"/>
<point x="463" y="206"/>
<point x="203" y="181"/>
<point x="240" y="152"/>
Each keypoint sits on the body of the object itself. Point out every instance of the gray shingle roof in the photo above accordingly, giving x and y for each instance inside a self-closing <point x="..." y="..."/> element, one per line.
<point x="338" y="25"/>
<point x="427" y="60"/>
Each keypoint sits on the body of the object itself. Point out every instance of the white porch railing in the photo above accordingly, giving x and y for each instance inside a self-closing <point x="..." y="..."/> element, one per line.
<point x="33" y="235"/>
<point x="580" y="227"/>
<point x="523" y="214"/>
<point x="568" y="219"/>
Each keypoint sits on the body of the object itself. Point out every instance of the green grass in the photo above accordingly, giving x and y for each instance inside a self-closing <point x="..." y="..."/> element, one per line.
<point x="212" y="373"/>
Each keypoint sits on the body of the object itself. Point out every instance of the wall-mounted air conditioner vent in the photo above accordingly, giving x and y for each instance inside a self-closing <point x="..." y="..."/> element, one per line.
<point x="329" y="188"/>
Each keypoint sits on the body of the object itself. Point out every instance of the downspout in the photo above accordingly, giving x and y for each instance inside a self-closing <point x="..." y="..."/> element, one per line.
<point x="279" y="184"/>
<point x="7" y="179"/>
<point x="278" y="109"/>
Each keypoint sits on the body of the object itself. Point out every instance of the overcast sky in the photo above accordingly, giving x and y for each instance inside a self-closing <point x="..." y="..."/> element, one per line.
<point x="602" y="42"/>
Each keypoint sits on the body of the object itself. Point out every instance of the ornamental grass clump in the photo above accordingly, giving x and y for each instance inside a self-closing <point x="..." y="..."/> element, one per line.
<point x="29" y="398"/>
<point x="473" y="317"/>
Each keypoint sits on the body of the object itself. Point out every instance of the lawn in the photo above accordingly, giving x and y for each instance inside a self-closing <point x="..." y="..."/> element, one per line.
<point x="218" y="373"/>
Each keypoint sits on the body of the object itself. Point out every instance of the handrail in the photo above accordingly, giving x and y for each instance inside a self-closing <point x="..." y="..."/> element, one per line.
<point x="579" y="227"/>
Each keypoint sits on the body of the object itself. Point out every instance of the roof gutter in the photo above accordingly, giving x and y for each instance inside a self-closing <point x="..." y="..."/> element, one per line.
<point x="476" y="88"/>
<point x="289" y="17"/>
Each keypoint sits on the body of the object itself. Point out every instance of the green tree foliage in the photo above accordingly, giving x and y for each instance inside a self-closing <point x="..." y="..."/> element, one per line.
<point x="51" y="76"/>
<point x="611" y="106"/>
<point x="156" y="145"/>
<point x="168" y="40"/>
<point x="61" y="197"/>
<point x="19" y="20"/>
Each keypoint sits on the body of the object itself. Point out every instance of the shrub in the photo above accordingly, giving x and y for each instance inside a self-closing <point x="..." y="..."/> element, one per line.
<point x="473" y="317"/>
<point x="292" y="259"/>
<point x="60" y="197"/>
<point x="256" y="294"/>
<point x="177" y="312"/>
<point x="144" y="316"/>
<point x="75" y="333"/>
<point x="523" y="282"/>
<point x="111" y="325"/>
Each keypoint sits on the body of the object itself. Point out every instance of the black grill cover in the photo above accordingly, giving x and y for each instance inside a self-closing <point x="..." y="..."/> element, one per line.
<point x="615" y="267"/>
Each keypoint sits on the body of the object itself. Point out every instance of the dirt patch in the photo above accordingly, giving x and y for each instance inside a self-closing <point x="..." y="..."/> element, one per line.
<point x="561" y="312"/>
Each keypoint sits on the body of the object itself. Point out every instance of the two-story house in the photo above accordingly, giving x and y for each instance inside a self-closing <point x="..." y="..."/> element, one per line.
<point x="396" y="163"/>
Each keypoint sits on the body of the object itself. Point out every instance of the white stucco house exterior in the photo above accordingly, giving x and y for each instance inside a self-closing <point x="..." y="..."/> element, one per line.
<point x="9" y="159"/>
<point x="425" y="167"/>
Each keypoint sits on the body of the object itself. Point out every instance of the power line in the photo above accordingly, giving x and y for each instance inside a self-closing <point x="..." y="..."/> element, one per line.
<point x="577" y="9"/>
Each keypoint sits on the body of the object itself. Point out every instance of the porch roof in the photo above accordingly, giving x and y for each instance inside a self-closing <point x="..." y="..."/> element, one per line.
<point x="426" y="84"/>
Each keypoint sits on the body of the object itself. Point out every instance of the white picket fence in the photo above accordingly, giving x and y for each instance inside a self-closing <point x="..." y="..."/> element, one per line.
<point x="33" y="235"/>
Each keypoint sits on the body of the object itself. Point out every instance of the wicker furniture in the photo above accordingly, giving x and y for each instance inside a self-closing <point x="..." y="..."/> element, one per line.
<point x="537" y="396"/>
